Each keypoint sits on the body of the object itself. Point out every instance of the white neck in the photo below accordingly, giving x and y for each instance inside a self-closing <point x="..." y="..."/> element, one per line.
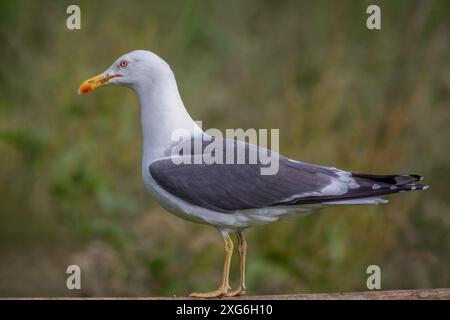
<point x="162" y="112"/>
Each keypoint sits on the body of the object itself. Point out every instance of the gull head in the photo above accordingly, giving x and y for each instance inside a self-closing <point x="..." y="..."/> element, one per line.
<point x="133" y="69"/>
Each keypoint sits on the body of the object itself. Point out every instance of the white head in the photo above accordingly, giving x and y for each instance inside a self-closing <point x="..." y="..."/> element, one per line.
<point x="134" y="69"/>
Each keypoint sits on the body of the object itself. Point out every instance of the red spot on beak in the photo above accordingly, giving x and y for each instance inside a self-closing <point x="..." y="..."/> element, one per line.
<point x="86" y="89"/>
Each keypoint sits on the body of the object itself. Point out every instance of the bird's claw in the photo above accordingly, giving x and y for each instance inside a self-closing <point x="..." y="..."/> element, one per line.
<point x="235" y="293"/>
<point x="221" y="292"/>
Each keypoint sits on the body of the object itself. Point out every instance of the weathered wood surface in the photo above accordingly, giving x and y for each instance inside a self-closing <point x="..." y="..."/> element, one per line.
<point x="417" y="294"/>
<point x="424" y="294"/>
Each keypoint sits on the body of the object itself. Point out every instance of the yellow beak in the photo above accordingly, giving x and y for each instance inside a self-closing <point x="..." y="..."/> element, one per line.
<point x="95" y="82"/>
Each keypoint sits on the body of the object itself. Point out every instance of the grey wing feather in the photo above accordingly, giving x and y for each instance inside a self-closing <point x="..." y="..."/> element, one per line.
<point x="230" y="187"/>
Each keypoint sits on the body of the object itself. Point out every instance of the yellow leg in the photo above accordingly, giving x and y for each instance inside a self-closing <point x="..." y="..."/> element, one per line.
<point x="242" y="249"/>
<point x="225" y="286"/>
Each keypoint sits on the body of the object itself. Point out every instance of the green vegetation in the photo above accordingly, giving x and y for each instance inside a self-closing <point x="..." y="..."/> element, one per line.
<point x="369" y="101"/>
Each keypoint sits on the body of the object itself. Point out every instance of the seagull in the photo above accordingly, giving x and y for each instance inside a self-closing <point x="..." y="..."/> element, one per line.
<point x="229" y="196"/>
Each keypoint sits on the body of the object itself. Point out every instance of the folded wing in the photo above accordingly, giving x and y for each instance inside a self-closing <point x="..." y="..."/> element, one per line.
<point x="231" y="187"/>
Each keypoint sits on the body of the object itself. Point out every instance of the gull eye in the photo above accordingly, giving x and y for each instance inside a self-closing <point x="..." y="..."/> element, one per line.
<point x="123" y="63"/>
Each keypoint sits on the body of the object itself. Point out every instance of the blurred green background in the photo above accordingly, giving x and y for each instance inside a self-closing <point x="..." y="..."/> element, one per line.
<point x="368" y="101"/>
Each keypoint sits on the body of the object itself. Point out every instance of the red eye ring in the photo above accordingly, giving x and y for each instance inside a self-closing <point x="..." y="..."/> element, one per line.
<point x="123" y="63"/>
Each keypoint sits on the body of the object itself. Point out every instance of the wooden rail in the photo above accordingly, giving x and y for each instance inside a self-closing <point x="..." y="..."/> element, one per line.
<point x="417" y="294"/>
<point x="424" y="294"/>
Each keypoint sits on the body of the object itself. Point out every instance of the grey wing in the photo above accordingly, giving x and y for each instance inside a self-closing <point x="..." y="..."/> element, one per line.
<point x="231" y="187"/>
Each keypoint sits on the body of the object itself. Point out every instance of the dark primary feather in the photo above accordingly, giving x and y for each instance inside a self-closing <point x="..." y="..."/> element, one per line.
<point x="371" y="185"/>
<point x="230" y="187"/>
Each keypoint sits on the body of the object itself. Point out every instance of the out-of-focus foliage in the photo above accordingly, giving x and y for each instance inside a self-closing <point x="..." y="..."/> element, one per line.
<point x="342" y="95"/>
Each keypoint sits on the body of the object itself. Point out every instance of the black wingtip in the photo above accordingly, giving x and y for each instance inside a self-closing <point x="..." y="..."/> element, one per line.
<point x="414" y="186"/>
<point x="397" y="179"/>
